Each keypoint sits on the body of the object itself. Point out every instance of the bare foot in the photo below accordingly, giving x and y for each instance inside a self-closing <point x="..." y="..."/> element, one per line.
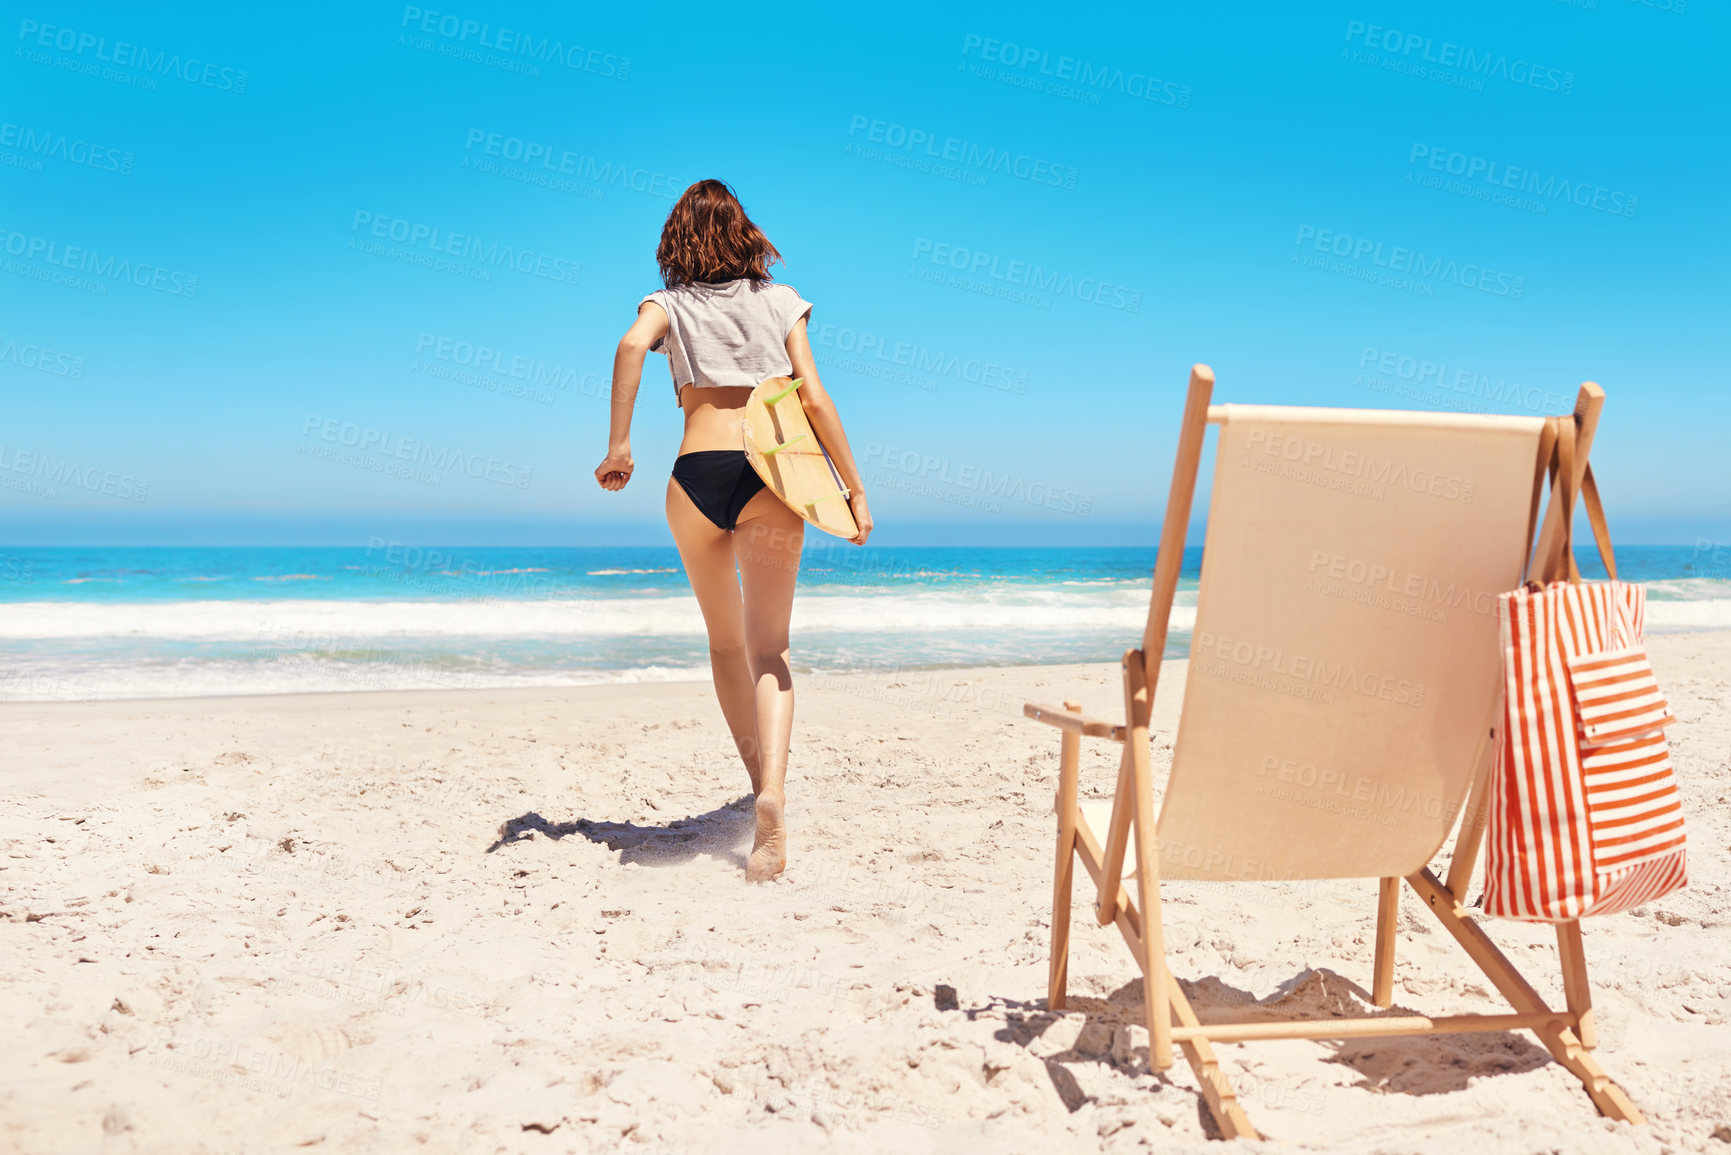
<point x="769" y="848"/>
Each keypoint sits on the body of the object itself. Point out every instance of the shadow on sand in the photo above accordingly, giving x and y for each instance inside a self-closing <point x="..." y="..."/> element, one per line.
<point x="720" y="833"/>
<point x="1407" y="1065"/>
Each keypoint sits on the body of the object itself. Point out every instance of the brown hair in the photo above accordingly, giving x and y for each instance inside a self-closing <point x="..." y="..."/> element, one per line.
<point x="708" y="237"/>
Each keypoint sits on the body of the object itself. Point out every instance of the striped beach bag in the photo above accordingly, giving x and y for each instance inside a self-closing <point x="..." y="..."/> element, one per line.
<point x="1584" y="813"/>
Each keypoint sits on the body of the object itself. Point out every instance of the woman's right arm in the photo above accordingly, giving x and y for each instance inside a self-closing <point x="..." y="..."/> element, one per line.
<point x="650" y="327"/>
<point x="826" y="423"/>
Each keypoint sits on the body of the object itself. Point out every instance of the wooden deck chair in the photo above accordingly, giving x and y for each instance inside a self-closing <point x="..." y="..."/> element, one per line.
<point x="1342" y="694"/>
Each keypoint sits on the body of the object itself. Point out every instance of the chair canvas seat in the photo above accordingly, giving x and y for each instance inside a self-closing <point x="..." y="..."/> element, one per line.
<point x="1344" y="662"/>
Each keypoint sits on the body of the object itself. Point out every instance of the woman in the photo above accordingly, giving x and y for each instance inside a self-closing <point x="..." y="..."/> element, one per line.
<point x="725" y="327"/>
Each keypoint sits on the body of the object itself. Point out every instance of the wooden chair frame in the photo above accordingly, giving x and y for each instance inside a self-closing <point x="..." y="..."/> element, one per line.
<point x="1567" y="1033"/>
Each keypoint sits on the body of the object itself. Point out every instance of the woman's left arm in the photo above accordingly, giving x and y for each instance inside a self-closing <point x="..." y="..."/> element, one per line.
<point x="826" y="422"/>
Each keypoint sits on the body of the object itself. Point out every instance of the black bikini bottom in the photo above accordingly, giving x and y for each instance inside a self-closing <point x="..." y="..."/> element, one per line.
<point x="719" y="482"/>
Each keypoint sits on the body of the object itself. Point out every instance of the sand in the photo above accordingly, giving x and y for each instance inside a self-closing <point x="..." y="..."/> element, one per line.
<point x="516" y="921"/>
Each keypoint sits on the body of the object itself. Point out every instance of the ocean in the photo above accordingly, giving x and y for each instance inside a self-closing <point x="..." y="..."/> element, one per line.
<point x="89" y="623"/>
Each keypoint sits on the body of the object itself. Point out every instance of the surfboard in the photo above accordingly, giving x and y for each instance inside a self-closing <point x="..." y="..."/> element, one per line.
<point x="784" y="449"/>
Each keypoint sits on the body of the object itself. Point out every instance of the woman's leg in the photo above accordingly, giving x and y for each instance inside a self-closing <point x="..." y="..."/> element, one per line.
<point x="707" y="553"/>
<point x="766" y="545"/>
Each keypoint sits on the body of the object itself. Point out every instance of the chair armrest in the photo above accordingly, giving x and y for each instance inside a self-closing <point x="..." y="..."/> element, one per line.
<point x="1073" y="722"/>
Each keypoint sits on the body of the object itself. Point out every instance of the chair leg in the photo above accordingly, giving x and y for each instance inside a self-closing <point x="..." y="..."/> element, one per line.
<point x="1217" y="1090"/>
<point x="1387" y="922"/>
<point x="1137" y="765"/>
<point x="1156" y="995"/>
<point x="1576" y="989"/>
<point x="1063" y="874"/>
<point x="1564" y="1045"/>
<point x="1472" y="833"/>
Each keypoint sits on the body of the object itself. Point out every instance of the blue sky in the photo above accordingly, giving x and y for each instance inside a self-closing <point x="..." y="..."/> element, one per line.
<point x="1018" y="227"/>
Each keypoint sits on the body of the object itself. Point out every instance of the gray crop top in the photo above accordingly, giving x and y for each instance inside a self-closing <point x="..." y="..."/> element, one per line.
<point x="729" y="334"/>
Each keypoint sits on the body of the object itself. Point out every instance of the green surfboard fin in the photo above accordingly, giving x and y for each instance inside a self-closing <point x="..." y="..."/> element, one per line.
<point x="775" y="449"/>
<point x="797" y="382"/>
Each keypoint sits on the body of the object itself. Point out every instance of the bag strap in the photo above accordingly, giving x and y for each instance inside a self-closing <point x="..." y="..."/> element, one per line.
<point x="1553" y="567"/>
<point x="1563" y="486"/>
<point x="1596" y="516"/>
<point x="1541" y="469"/>
<point x="1561" y="564"/>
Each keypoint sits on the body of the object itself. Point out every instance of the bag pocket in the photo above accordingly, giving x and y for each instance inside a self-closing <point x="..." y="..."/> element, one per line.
<point x="1633" y="808"/>
<point x="1617" y="696"/>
